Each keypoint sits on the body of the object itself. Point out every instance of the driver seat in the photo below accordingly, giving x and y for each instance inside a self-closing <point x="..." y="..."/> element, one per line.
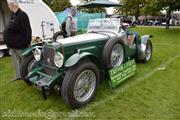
<point x="131" y="39"/>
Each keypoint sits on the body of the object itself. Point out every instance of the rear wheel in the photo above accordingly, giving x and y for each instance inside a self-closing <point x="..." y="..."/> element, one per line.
<point x="148" y="52"/>
<point x="79" y="84"/>
<point x="113" y="53"/>
<point x="27" y="65"/>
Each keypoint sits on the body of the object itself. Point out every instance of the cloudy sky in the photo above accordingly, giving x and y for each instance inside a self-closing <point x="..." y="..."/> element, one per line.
<point x="109" y="10"/>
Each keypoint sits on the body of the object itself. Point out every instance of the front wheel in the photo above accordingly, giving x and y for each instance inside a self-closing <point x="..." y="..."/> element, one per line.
<point x="80" y="83"/>
<point x="9" y="52"/>
<point x="27" y="65"/>
<point x="1" y="54"/>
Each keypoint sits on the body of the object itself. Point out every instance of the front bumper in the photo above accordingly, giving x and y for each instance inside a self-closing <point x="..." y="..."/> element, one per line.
<point x="43" y="81"/>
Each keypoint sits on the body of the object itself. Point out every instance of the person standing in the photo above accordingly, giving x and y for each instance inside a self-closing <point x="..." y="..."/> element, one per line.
<point x="71" y="25"/>
<point x="17" y="34"/>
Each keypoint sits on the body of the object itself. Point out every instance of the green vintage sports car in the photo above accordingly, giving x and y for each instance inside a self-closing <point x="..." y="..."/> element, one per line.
<point x="74" y="66"/>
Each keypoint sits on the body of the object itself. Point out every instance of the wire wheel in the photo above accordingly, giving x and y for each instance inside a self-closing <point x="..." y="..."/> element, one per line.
<point x="85" y="85"/>
<point x="80" y="84"/>
<point x="117" y="55"/>
<point x="148" y="51"/>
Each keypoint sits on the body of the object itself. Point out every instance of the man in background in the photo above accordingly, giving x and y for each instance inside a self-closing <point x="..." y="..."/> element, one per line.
<point x="17" y="34"/>
<point x="71" y="25"/>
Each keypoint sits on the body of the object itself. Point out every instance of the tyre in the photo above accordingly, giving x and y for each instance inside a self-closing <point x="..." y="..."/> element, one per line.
<point x="9" y="53"/>
<point x="80" y="84"/>
<point x="2" y="54"/>
<point x="58" y="35"/>
<point x="148" y="52"/>
<point x="27" y="65"/>
<point x="113" y="53"/>
<point x="134" y="24"/>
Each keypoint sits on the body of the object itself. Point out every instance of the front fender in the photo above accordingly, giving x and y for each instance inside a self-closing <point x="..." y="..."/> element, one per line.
<point x="142" y="46"/>
<point x="28" y="50"/>
<point x="76" y="57"/>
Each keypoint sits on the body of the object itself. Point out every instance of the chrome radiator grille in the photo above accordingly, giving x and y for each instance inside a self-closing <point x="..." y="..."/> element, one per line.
<point x="49" y="54"/>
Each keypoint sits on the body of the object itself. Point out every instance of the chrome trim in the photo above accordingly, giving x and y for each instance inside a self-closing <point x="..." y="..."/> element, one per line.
<point x="142" y="47"/>
<point x="58" y="53"/>
<point x="36" y="52"/>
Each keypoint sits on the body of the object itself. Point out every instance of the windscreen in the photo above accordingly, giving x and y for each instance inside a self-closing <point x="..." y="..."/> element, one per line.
<point x="106" y="24"/>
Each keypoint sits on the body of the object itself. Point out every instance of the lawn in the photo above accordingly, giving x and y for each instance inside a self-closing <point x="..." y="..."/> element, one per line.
<point x="152" y="93"/>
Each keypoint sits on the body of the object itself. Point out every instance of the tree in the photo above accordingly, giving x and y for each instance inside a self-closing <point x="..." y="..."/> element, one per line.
<point x="131" y="7"/>
<point x="58" y="5"/>
<point x="158" y="5"/>
<point x="90" y="10"/>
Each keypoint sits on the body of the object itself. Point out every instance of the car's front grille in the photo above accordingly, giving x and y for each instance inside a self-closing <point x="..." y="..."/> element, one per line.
<point x="49" y="54"/>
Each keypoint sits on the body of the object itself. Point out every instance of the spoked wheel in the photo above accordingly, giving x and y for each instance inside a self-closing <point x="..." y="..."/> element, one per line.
<point x="27" y="65"/>
<point x="117" y="55"/>
<point x="9" y="52"/>
<point x="1" y="54"/>
<point x="113" y="53"/>
<point x="85" y="85"/>
<point x="31" y="65"/>
<point x="148" y="52"/>
<point x="79" y="84"/>
<point x="58" y="35"/>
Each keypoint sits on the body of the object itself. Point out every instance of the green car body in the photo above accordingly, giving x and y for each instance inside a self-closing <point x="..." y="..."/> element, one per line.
<point x="94" y="47"/>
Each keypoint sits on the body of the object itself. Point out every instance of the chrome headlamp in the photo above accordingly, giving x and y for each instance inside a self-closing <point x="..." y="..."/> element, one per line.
<point x="37" y="54"/>
<point x="58" y="59"/>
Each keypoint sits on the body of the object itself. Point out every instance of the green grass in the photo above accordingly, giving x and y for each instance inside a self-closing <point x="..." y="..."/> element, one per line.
<point x="152" y="93"/>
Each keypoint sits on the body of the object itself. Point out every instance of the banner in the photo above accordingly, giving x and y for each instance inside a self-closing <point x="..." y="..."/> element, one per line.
<point x="121" y="73"/>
